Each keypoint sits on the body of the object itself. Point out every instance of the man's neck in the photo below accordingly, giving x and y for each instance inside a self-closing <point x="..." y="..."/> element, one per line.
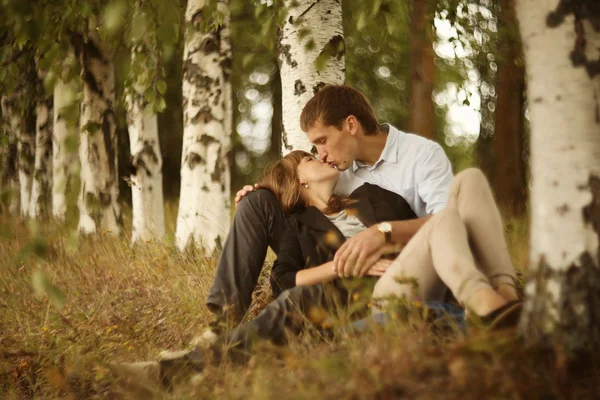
<point x="371" y="147"/>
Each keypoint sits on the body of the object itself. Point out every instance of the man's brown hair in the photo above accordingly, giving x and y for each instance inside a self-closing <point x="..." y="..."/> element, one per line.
<point x="333" y="104"/>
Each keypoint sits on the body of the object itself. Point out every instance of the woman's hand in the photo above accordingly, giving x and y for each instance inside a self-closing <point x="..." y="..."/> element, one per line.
<point x="379" y="267"/>
<point x="358" y="253"/>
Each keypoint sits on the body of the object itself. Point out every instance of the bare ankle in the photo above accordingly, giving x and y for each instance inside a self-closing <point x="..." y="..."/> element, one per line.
<point x="485" y="301"/>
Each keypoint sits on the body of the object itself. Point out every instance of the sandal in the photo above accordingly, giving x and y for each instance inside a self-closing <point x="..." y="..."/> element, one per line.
<point x="507" y="316"/>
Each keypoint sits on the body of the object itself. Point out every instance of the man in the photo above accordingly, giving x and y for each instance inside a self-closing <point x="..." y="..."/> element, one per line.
<point x="342" y="126"/>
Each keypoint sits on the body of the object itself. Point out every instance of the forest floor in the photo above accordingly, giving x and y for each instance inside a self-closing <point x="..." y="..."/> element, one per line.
<point x="69" y="305"/>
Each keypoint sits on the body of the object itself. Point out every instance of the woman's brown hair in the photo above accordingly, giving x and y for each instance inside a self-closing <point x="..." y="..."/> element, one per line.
<point x="281" y="178"/>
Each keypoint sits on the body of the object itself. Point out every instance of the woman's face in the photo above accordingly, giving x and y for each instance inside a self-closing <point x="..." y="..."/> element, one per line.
<point x="313" y="171"/>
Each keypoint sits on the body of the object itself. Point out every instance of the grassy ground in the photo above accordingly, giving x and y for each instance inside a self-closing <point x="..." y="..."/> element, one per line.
<point x="100" y="300"/>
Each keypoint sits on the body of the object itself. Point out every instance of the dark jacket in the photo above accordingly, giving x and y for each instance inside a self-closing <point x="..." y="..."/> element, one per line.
<point x="311" y="239"/>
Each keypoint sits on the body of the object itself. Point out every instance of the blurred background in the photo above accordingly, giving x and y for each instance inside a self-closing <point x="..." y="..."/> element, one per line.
<point x="450" y="70"/>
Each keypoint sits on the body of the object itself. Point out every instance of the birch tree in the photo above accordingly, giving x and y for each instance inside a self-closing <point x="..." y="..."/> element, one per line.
<point x="25" y="133"/>
<point x="42" y="178"/>
<point x="311" y="55"/>
<point x="561" y="42"/>
<point x="204" y="203"/>
<point x="98" y="206"/>
<point x="142" y="123"/>
<point x="10" y="178"/>
<point x="64" y="156"/>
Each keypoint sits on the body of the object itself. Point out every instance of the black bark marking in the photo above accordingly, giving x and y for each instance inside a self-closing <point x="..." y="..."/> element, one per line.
<point x="581" y="9"/>
<point x="336" y="47"/>
<point x="299" y="88"/>
<point x="318" y="86"/>
<point x="285" y="55"/>
<point x="211" y="44"/>
<point x="562" y="210"/>
<point x="205" y="188"/>
<point x="284" y="140"/>
<point x="203" y="115"/>
<point x="108" y="128"/>
<point x="207" y="140"/>
<point x="138" y="162"/>
<point x="196" y="76"/>
<point x="538" y="100"/>
<point x="192" y="159"/>
<point x="591" y="212"/>
<point x="217" y="174"/>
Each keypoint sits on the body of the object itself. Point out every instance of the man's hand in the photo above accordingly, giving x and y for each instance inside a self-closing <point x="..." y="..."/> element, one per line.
<point x="379" y="267"/>
<point x="359" y="252"/>
<point x="244" y="191"/>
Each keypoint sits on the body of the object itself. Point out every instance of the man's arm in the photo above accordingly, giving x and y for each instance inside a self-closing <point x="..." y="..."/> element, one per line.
<point x="403" y="231"/>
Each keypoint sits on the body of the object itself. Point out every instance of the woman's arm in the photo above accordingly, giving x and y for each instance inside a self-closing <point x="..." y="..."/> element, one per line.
<point x="310" y="276"/>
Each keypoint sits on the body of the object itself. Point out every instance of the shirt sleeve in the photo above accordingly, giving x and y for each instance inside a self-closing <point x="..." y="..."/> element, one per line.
<point x="434" y="177"/>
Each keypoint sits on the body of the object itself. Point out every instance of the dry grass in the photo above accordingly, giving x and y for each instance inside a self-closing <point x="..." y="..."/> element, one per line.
<point x="127" y="304"/>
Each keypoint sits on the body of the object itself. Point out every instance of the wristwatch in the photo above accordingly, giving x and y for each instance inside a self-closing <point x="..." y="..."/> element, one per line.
<point x="386" y="229"/>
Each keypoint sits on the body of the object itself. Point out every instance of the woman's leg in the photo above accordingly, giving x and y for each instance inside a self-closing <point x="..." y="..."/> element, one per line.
<point x="471" y="195"/>
<point x="438" y="256"/>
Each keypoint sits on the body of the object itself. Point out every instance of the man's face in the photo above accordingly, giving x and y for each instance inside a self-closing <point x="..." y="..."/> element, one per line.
<point x="335" y="147"/>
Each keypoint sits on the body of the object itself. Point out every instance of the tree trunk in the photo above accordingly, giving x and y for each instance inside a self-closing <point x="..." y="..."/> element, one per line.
<point x="422" y="72"/>
<point x="26" y="156"/>
<point x="276" y="119"/>
<point x="98" y="205"/>
<point x="204" y="203"/>
<point x="146" y="177"/>
<point x="563" y="299"/>
<point x="509" y="180"/>
<point x="42" y="178"/>
<point x="10" y="179"/>
<point x="64" y="158"/>
<point x="306" y="64"/>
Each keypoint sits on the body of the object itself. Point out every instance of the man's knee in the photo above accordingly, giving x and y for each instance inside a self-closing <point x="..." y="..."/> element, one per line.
<point x="471" y="175"/>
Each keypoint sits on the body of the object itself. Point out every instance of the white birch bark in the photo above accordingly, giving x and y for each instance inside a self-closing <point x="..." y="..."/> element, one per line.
<point x="146" y="178"/>
<point x="204" y="203"/>
<point x="42" y="178"/>
<point x="64" y="161"/>
<point x="98" y="205"/>
<point x="562" y="291"/>
<point x="10" y="178"/>
<point x="300" y="79"/>
<point x="25" y="156"/>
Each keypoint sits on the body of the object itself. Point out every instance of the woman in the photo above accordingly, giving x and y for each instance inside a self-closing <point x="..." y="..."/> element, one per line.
<point x="441" y="255"/>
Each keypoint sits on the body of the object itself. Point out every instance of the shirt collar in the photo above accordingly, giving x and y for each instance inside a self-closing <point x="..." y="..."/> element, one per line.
<point x="390" y="150"/>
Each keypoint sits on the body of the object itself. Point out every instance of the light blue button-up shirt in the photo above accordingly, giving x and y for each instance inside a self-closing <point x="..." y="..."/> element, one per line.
<point x="412" y="166"/>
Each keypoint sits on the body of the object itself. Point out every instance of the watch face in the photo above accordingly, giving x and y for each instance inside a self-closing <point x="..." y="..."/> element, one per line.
<point x="385" y="227"/>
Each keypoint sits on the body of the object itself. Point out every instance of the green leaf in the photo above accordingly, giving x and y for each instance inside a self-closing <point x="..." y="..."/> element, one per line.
<point x="247" y="59"/>
<point x="161" y="86"/>
<point x="362" y="21"/>
<point x="43" y="287"/>
<point x="2" y="74"/>
<point x="114" y="16"/>
<point x="161" y="104"/>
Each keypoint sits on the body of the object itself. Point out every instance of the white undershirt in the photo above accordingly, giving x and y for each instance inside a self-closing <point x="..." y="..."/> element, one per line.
<point x="348" y="224"/>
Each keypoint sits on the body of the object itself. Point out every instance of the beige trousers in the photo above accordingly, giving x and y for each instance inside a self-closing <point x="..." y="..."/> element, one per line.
<point x="461" y="248"/>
